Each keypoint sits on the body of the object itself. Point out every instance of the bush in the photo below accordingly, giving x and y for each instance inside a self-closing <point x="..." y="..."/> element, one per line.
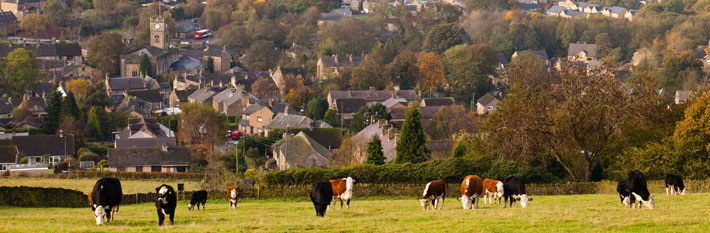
<point x="98" y="149"/>
<point x="89" y="156"/>
<point x="131" y="175"/>
<point x="102" y="163"/>
<point x="42" y="197"/>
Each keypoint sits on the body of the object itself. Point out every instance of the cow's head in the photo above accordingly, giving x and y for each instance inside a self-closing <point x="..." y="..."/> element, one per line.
<point x="524" y="200"/>
<point x="465" y="201"/>
<point x="424" y="202"/>
<point x="627" y="201"/>
<point x="651" y="203"/>
<point x="349" y="183"/>
<point x="162" y="194"/>
<point x="683" y="192"/>
<point x="233" y="194"/>
<point x="99" y="214"/>
<point x="189" y="206"/>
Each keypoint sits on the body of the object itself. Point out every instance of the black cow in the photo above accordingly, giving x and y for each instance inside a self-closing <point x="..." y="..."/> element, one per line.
<point x="106" y="195"/>
<point x="637" y="187"/>
<point x="675" y="183"/>
<point x="622" y="189"/>
<point x="199" y="197"/>
<point x="321" y="196"/>
<point x="514" y="188"/>
<point x="165" y="202"/>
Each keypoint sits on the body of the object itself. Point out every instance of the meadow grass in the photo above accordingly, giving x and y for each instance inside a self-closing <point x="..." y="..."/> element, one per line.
<point x="574" y="213"/>
<point x="86" y="185"/>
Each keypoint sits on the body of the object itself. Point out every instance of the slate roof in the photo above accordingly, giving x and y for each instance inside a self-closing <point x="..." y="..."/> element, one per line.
<point x="575" y="49"/>
<point x="486" y="99"/>
<point x="144" y="142"/>
<point x="8" y="154"/>
<point x="341" y="61"/>
<point x="152" y="96"/>
<point x="529" y="6"/>
<point x="555" y="10"/>
<point x="7" y="16"/>
<point x="365" y="135"/>
<point x="300" y="148"/>
<point x="328" y="138"/>
<point x="151" y="51"/>
<point x="281" y="121"/>
<point x="139" y="106"/>
<point x="253" y="108"/>
<point x="374" y="95"/>
<point x="182" y="95"/>
<point x="186" y="26"/>
<point x="44" y="50"/>
<point x="501" y="59"/>
<point x="5" y="107"/>
<point x="228" y="96"/>
<point x="146" y="125"/>
<point x="186" y="63"/>
<point x="446" y="101"/>
<point x="205" y="94"/>
<point x="349" y="105"/>
<point x="330" y="16"/>
<point x="618" y="10"/>
<point x="50" y="144"/>
<point x="389" y="103"/>
<point x="126" y="83"/>
<point x="281" y="107"/>
<point x="148" y="156"/>
<point x="68" y="49"/>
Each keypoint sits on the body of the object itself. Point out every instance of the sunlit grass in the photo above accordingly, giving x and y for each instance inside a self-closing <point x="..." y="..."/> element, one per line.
<point x="86" y="185"/>
<point x="579" y="213"/>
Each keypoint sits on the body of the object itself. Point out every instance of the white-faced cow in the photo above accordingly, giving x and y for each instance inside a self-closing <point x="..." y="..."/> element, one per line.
<point x="514" y="188"/>
<point x="343" y="190"/>
<point x="434" y="193"/>
<point x="232" y="197"/>
<point x="471" y="192"/>
<point x="625" y="197"/>
<point x="105" y="199"/>
<point x="493" y="189"/>
<point x="165" y="203"/>
<point x="675" y="184"/>
<point x="636" y="183"/>
<point x="198" y="197"/>
<point x="321" y="196"/>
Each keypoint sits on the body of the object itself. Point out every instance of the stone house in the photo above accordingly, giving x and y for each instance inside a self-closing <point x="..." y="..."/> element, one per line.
<point x="299" y="151"/>
<point x="149" y="159"/>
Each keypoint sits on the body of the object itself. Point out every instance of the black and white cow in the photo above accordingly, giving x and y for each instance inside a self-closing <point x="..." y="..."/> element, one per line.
<point x="105" y="199"/>
<point x="165" y="203"/>
<point x="514" y="188"/>
<point x="675" y="183"/>
<point x="198" y="197"/>
<point x="624" y="195"/>
<point x="637" y="187"/>
<point x="321" y="196"/>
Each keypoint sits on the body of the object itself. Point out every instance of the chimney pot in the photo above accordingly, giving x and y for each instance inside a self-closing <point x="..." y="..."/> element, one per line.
<point x="164" y="147"/>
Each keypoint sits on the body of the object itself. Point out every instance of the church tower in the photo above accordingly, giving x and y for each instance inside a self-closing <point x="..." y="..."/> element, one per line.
<point x="158" y="32"/>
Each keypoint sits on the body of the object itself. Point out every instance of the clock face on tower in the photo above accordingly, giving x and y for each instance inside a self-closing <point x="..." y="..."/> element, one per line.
<point x="157" y="26"/>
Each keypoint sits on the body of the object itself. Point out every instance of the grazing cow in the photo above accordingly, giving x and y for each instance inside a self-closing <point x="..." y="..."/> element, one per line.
<point x="514" y="188"/>
<point x="321" y="196"/>
<point x="232" y="197"/>
<point x="471" y="192"/>
<point x="492" y="189"/>
<point x="636" y="183"/>
<point x="343" y="190"/>
<point x="165" y="203"/>
<point x="199" y="197"/>
<point x="106" y="195"/>
<point x="624" y="195"/>
<point x="434" y="191"/>
<point x="675" y="183"/>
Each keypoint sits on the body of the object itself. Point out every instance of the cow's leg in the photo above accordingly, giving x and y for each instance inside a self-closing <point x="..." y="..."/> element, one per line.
<point x="476" y="200"/>
<point x="172" y="215"/>
<point x="161" y="218"/>
<point x="341" y="203"/>
<point x="348" y="203"/>
<point x="667" y="191"/>
<point x="441" y="207"/>
<point x="505" y="201"/>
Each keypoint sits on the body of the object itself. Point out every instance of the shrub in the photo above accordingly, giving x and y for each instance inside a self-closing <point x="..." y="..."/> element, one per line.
<point x="98" y="149"/>
<point x="42" y="197"/>
<point x="89" y="156"/>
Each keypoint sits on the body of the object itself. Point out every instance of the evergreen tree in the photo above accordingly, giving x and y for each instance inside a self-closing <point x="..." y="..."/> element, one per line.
<point x="94" y="124"/>
<point x="146" y="68"/>
<point x="50" y="122"/>
<point x="374" y="152"/>
<point x="411" y="146"/>
<point x="459" y="149"/>
<point x="332" y="118"/>
<point x="317" y="108"/>
<point x="69" y="107"/>
<point x="210" y="65"/>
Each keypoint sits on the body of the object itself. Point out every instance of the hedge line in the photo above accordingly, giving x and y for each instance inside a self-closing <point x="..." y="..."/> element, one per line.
<point x="130" y="175"/>
<point x="24" y="196"/>
<point x="450" y="170"/>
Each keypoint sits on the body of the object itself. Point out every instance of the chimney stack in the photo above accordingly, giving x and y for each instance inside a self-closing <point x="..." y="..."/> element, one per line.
<point x="164" y="147"/>
<point x="372" y="88"/>
<point x="286" y="110"/>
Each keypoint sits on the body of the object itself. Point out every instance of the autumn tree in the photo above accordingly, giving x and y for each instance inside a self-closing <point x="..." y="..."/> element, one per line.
<point x="374" y="152"/>
<point x="20" y="113"/>
<point x="468" y="70"/>
<point x="201" y="124"/>
<point x="299" y="97"/>
<point x="403" y="71"/>
<point x="411" y="147"/>
<point x="691" y="138"/>
<point x="450" y="120"/>
<point x="442" y="37"/>
<point x="264" y="88"/>
<point x="79" y="87"/>
<point x="105" y="51"/>
<point x="261" y="55"/>
<point x="57" y="13"/>
<point x="431" y="67"/>
<point x="20" y="71"/>
<point x="34" y="23"/>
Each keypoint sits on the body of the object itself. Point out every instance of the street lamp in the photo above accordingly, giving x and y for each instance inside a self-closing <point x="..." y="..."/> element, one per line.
<point x="61" y="135"/>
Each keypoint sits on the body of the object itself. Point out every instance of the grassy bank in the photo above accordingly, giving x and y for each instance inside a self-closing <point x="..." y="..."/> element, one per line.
<point x="86" y="185"/>
<point x="572" y="213"/>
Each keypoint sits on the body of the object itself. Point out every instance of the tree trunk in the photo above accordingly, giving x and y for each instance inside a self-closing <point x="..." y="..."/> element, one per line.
<point x="565" y="166"/>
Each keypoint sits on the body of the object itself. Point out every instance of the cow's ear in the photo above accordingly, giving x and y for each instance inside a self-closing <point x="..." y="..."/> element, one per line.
<point x="156" y="189"/>
<point x="530" y="199"/>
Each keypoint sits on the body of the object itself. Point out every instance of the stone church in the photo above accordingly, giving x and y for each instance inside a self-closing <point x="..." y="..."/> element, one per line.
<point x="159" y="51"/>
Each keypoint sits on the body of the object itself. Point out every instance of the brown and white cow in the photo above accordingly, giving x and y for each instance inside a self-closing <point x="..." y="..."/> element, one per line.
<point x="493" y="189"/>
<point x="343" y="190"/>
<point x="471" y="191"/>
<point x="232" y="197"/>
<point x="433" y="191"/>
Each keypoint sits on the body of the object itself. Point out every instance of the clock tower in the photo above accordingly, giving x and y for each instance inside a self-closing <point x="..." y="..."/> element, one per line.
<point x="158" y="32"/>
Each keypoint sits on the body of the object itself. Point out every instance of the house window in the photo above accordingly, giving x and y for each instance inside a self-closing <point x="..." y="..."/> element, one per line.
<point x="155" y="168"/>
<point x="38" y="159"/>
<point x="121" y="169"/>
<point x="54" y="160"/>
<point x="260" y="130"/>
<point x="157" y="39"/>
<point x="247" y="116"/>
<point x="490" y="107"/>
<point x="244" y="127"/>
<point x="313" y="162"/>
<point x="139" y="168"/>
<point x="181" y="169"/>
<point x="3" y="167"/>
<point x="259" y="119"/>
<point x="134" y="73"/>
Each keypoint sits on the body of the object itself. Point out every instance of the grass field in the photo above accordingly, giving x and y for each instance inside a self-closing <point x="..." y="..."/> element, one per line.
<point x="86" y="185"/>
<point x="581" y="213"/>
